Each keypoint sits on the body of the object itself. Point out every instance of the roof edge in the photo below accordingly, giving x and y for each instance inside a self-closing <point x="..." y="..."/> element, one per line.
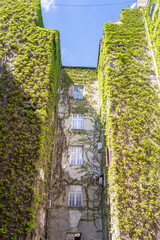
<point x="79" y="67"/>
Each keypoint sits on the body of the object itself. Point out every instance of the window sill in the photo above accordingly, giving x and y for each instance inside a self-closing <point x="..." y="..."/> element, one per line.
<point x="76" y="165"/>
<point x="79" y="131"/>
<point x="75" y="208"/>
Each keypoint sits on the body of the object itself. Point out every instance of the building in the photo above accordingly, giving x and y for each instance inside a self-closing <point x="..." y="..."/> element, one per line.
<point x="29" y="76"/>
<point x="78" y="176"/>
<point x="142" y="3"/>
<point x="79" y="146"/>
<point x="128" y="71"/>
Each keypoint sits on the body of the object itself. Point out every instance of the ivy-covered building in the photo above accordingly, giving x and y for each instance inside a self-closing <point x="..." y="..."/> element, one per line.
<point x="128" y="72"/>
<point x="29" y="78"/>
<point x="79" y="147"/>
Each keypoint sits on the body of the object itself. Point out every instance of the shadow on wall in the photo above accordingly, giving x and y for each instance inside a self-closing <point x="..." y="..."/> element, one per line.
<point x="18" y="153"/>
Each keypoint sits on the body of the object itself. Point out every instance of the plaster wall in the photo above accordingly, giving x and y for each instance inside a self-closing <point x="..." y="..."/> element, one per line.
<point x="87" y="219"/>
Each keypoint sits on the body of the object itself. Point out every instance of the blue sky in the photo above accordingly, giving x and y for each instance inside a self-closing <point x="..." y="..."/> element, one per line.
<point x="81" y="28"/>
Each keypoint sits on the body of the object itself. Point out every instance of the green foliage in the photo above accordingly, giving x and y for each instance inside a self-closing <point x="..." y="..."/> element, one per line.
<point x="154" y="30"/>
<point x="85" y="77"/>
<point x="132" y="127"/>
<point x="30" y="66"/>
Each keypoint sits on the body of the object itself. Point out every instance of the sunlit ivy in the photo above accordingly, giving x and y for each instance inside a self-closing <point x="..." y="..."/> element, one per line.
<point x="131" y="127"/>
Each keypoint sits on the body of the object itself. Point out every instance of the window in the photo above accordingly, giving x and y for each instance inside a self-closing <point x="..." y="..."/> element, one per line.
<point x="78" y="92"/>
<point x="30" y="106"/>
<point x="74" y="236"/>
<point x="76" y="156"/>
<point x="77" y="121"/>
<point x="75" y="196"/>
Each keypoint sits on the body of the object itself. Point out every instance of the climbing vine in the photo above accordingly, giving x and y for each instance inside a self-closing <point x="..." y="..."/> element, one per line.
<point x="129" y="95"/>
<point x="153" y="21"/>
<point x="29" y="66"/>
<point x="65" y="174"/>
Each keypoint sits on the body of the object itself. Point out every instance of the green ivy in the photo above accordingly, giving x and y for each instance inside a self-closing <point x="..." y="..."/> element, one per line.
<point x="154" y="30"/>
<point x="88" y="138"/>
<point x="131" y="128"/>
<point x="30" y="67"/>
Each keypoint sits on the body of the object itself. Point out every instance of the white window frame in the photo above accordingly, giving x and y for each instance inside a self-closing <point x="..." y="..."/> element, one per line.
<point x="74" y="235"/>
<point x="76" y="155"/>
<point x="73" y="198"/>
<point x="77" y="121"/>
<point x="78" y="93"/>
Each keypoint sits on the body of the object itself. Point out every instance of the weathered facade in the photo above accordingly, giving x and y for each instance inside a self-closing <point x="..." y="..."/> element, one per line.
<point x="78" y="176"/>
